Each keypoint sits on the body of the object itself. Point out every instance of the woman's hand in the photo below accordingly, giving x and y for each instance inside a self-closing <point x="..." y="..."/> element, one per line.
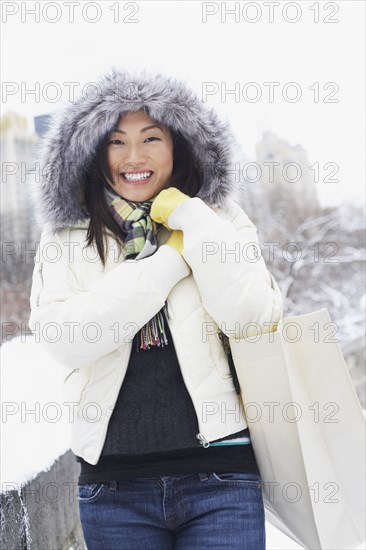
<point x="165" y="203"/>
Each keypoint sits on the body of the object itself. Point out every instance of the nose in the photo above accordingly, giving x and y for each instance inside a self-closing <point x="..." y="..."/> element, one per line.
<point x="134" y="156"/>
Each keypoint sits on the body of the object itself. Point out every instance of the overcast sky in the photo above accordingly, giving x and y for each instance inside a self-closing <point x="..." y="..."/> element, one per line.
<point x="263" y="42"/>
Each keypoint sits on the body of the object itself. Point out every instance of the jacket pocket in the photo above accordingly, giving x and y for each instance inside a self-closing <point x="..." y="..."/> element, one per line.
<point x="70" y="374"/>
<point x="74" y="384"/>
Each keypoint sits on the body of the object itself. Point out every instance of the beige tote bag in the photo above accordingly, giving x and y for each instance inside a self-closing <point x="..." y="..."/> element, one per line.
<point x="307" y="429"/>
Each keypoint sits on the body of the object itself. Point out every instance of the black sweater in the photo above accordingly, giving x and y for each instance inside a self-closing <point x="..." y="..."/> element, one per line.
<point x="152" y="430"/>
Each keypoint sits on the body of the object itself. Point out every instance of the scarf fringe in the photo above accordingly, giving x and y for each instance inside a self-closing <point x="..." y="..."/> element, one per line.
<point x="153" y="333"/>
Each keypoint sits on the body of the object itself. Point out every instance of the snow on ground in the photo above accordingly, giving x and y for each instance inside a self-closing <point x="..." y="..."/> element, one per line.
<point x="35" y="428"/>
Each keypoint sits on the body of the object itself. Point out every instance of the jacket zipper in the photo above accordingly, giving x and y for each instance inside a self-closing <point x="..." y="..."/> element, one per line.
<point x="42" y="282"/>
<point x="203" y="441"/>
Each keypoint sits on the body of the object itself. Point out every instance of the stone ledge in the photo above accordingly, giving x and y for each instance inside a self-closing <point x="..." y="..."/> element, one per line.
<point x="43" y="514"/>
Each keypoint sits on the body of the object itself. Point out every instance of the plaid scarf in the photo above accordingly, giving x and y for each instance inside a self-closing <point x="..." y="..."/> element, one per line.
<point x="140" y="241"/>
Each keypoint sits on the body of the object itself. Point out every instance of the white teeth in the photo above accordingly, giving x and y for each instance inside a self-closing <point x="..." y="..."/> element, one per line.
<point x="138" y="176"/>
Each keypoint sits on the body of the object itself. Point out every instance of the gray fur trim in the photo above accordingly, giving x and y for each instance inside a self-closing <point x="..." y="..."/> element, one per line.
<point x="75" y="132"/>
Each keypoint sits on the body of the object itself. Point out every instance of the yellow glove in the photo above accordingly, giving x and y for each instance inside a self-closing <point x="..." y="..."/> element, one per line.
<point x="165" y="203"/>
<point x="176" y="240"/>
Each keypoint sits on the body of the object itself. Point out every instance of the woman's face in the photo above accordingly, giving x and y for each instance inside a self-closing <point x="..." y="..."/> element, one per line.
<point x="140" y="157"/>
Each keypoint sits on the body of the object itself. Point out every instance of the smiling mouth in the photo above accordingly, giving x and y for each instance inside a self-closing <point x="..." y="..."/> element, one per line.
<point x="136" y="177"/>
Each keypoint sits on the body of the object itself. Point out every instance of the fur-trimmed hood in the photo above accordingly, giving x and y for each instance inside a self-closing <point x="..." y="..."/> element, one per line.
<point x="75" y="132"/>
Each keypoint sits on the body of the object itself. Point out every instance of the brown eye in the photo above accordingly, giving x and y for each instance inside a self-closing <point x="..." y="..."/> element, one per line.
<point x="153" y="137"/>
<point x="115" y="142"/>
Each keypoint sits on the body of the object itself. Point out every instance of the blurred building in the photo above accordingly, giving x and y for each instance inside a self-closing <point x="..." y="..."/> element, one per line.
<point x="20" y="168"/>
<point x="286" y="176"/>
<point x="18" y="149"/>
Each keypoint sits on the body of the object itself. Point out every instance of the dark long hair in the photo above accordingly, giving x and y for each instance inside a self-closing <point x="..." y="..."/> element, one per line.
<point x="186" y="176"/>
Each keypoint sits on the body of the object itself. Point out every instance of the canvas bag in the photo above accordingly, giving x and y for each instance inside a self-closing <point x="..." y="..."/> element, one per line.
<point x="307" y="430"/>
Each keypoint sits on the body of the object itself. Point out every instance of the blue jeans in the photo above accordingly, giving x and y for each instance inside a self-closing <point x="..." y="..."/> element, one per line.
<point x="214" y="511"/>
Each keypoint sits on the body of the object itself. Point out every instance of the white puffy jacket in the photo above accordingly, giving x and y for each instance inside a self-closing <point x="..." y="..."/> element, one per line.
<point x="86" y="315"/>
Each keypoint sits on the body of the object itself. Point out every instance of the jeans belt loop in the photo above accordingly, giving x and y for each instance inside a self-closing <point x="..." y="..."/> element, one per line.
<point x="203" y="476"/>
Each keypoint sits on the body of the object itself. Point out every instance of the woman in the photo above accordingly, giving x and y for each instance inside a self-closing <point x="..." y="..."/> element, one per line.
<point x="146" y="265"/>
